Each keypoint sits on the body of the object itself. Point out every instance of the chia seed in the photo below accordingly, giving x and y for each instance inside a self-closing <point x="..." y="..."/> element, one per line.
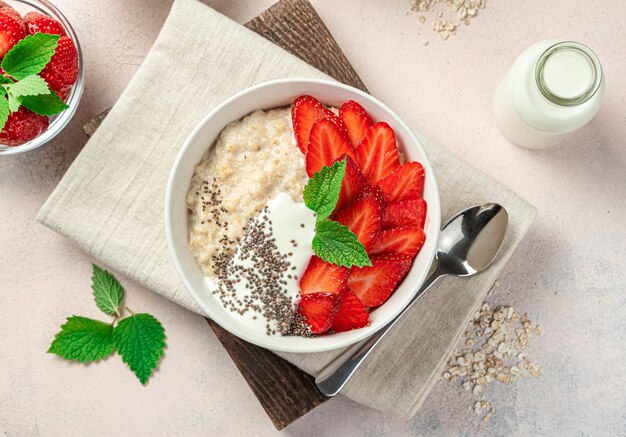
<point x="265" y="281"/>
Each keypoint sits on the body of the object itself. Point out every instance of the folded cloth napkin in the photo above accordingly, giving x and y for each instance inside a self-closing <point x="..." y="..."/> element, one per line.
<point x="110" y="202"/>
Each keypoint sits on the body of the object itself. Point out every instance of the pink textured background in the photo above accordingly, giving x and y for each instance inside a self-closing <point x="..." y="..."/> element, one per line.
<point x="567" y="273"/>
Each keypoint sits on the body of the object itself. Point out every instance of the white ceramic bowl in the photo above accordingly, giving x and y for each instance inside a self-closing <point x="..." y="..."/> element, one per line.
<point x="266" y="96"/>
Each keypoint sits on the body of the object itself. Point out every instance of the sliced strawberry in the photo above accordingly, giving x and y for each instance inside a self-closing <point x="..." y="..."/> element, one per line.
<point x="377" y="155"/>
<point x="327" y="142"/>
<point x="319" y="309"/>
<point x="363" y="218"/>
<point x="321" y="276"/>
<point x="373" y="192"/>
<point x="411" y="212"/>
<point x="406" y="182"/>
<point x="373" y="285"/>
<point x="305" y="111"/>
<point x="22" y="126"/>
<point x="352" y="184"/>
<point x="351" y="314"/>
<point x="356" y="121"/>
<point x="400" y="241"/>
<point x="62" y="70"/>
<point x="12" y="29"/>
<point x="38" y="22"/>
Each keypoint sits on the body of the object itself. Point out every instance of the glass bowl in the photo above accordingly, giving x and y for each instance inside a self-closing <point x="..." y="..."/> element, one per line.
<point x="58" y="121"/>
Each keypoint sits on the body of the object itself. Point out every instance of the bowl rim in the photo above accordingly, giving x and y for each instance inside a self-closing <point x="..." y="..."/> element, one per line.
<point x="434" y="215"/>
<point x="58" y="122"/>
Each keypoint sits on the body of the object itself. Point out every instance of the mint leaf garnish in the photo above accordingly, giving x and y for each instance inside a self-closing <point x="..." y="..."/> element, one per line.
<point x="32" y="85"/>
<point x="140" y="340"/>
<point x="321" y="193"/>
<point x="82" y="339"/>
<point x="107" y="291"/>
<point x="30" y="55"/>
<point x="44" y="104"/>
<point x="13" y="102"/>
<point x="4" y="111"/>
<point x="336" y="244"/>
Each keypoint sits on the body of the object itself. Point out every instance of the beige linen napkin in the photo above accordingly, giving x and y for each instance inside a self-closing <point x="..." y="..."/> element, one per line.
<point x="110" y="202"/>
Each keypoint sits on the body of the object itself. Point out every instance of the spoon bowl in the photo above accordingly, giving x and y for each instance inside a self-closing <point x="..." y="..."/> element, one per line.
<point x="467" y="245"/>
<point x="470" y="240"/>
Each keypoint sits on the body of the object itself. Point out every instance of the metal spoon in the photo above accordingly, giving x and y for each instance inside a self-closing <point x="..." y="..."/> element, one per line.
<point x="468" y="243"/>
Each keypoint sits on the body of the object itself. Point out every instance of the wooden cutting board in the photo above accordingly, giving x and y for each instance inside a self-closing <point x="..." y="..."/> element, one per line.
<point x="285" y="392"/>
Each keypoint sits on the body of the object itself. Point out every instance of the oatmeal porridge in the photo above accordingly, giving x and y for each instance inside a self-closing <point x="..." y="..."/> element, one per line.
<point x="252" y="161"/>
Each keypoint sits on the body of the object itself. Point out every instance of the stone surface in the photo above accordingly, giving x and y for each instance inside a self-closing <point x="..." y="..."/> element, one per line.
<point x="566" y="274"/>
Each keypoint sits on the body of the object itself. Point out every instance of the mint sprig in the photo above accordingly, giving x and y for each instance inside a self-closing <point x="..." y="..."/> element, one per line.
<point x="30" y="55"/>
<point x="139" y="338"/>
<point x="32" y="85"/>
<point x="20" y="81"/>
<point x="4" y="111"/>
<point x="44" y="104"/>
<point x="82" y="339"/>
<point x="107" y="291"/>
<point x="336" y="244"/>
<point x="333" y="242"/>
<point x="321" y="193"/>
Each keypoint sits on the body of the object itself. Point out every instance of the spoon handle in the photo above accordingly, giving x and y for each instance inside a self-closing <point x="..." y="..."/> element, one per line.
<point x="334" y="376"/>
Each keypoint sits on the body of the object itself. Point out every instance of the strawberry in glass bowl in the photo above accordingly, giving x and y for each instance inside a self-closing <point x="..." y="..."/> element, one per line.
<point x="41" y="77"/>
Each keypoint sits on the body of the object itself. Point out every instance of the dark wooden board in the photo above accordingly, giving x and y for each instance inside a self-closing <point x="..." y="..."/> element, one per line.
<point x="285" y="392"/>
<point x="295" y="26"/>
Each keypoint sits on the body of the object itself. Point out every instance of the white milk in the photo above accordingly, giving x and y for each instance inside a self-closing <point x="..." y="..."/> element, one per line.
<point x="552" y="89"/>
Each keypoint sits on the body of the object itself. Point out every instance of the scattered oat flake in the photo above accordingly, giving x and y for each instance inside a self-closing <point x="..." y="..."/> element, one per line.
<point x="492" y="351"/>
<point x="447" y="14"/>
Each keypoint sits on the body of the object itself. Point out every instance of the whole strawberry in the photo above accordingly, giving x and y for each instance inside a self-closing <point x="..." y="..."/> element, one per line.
<point x="22" y="126"/>
<point x="12" y="29"/>
<point x="62" y="70"/>
<point x="8" y="10"/>
<point x="38" y="22"/>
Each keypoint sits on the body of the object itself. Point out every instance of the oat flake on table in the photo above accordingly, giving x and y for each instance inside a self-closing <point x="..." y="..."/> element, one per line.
<point x="447" y="15"/>
<point x="492" y="350"/>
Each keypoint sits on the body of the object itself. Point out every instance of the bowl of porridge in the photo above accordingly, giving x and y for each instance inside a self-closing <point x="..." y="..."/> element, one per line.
<point x="294" y="272"/>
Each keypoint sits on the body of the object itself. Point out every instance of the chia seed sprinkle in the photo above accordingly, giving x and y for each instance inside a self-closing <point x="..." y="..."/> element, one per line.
<point x="261" y="268"/>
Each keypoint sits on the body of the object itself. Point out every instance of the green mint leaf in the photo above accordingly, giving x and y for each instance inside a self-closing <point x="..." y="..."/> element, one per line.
<point x="32" y="85"/>
<point x="30" y="55"/>
<point x="4" y="111"/>
<point x="107" y="291"/>
<point x="82" y="339"/>
<point x="4" y="80"/>
<point x="140" y="340"/>
<point x="321" y="193"/>
<point x="44" y="104"/>
<point x="335" y="243"/>
<point x="14" y="102"/>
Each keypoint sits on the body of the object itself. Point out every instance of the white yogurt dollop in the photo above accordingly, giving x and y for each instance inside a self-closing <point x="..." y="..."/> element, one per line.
<point x="293" y="227"/>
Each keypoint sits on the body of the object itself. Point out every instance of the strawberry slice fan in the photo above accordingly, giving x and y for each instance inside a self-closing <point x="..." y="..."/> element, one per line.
<point x="380" y="201"/>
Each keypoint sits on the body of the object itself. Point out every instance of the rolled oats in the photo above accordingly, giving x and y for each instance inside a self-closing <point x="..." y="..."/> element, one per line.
<point x="447" y="14"/>
<point x="493" y="351"/>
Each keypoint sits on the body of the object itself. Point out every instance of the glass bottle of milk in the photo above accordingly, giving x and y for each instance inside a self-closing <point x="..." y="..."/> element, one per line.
<point x="553" y="88"/>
